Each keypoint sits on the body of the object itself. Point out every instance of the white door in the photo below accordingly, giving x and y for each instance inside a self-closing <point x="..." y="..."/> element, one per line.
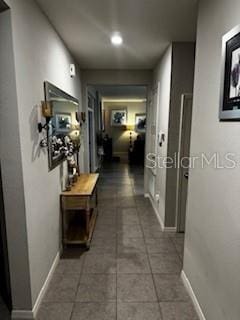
<point x="184" y="152"/>
<point x="153" y="128"/>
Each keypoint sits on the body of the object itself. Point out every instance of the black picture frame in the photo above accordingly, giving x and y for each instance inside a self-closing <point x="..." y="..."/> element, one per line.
<point x="140" y="122"/>
<point x="230" y="82"/>
<point x="119" y="117"/>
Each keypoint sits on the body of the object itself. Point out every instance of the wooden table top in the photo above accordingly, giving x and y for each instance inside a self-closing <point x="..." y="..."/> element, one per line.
<point x="84" y="186"/>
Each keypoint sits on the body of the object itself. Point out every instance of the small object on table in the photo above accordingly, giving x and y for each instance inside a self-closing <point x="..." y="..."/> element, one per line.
<point x="68" y="187"/>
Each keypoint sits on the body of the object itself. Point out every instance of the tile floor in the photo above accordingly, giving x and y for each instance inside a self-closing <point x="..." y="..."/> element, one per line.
<point x="132" y="271"/>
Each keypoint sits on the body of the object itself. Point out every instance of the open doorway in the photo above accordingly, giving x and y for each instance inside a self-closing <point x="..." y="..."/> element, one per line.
<point x="120" y="124"/>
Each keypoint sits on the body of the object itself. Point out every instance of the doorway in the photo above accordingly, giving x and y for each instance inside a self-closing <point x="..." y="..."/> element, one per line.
<point x="5" y="288"/>
<point x="184" y="152"/>
<point x="90" y="140"/>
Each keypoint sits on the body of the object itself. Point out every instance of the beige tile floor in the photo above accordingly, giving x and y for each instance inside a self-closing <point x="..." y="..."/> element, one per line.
<point x="132" y="271"/>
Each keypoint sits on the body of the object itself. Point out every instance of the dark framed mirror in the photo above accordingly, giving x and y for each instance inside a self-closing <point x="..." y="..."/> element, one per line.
<point x="63" y="129"/>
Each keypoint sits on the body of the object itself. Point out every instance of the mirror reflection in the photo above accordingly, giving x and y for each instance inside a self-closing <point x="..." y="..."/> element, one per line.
<point x="63" y="125"/>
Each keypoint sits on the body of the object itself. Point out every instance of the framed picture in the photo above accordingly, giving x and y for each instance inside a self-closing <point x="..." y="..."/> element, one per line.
<point x="63" y="122"/>
<point x="140" y="122"/>
<point x="119" y="117"/>
<point x="230" y="91"/>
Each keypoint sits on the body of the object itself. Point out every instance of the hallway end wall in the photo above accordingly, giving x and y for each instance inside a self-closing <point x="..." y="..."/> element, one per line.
<point x="118" y="134"/>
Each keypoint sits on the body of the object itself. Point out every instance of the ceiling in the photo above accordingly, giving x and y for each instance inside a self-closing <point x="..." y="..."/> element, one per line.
<point x="147" y="27"/>
<point x="121" y="92"/>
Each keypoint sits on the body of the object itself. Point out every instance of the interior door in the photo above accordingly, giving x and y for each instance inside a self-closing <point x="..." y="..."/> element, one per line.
<point x="90" y="130"/>
<point x="184" y="152"/>
<point x="5" y="289"/>
<point x="152" y="123"/>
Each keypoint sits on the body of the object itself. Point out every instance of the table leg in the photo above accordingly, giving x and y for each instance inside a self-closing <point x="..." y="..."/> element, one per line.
<point x="88" y="212"/>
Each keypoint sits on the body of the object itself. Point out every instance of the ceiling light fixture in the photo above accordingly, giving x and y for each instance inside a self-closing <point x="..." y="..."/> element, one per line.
<point x="117" y="39"/>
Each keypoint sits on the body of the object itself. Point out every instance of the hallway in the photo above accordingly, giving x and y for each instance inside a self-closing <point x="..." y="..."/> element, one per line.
<point x="132" y="270"/>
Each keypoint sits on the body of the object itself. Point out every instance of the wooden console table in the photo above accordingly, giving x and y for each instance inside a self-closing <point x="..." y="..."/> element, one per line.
<point x="79" y="210"/>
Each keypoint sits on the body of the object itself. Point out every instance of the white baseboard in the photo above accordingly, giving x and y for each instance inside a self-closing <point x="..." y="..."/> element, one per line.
<point x="147" y="195"/>
<point x="22" y="315"/>
<point x="165" y="229"/>
<point x="192" y="295"/>
<point x="170" y="229"/>
<point x="31" y="314"/>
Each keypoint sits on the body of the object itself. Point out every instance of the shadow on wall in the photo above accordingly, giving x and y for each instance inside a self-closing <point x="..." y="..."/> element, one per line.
<point x="35" y="135"/>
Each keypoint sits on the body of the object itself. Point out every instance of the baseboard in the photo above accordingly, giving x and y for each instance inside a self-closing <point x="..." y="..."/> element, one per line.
<point x="165" y="229"/>
<point x="31" y="314"/>
<point x="170" y="229"/>
<point x="192" y="295"/>
<point x="147" y="195"/>
<point x="22" y="315"/>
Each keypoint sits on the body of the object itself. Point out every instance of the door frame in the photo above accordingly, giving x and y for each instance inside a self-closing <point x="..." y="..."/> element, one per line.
<point x="184" y="97"/>
<point x="6" y="295"/>
<point x="91" y="140"/>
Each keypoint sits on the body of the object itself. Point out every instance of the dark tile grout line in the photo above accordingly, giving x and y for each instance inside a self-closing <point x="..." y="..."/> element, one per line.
<point x="179" y="255"/>
<point x="78" y="286"/>
<point x="155" y="288"/>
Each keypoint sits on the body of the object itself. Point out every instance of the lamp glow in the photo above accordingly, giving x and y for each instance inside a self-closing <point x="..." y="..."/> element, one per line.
<point x="117" y="39"/>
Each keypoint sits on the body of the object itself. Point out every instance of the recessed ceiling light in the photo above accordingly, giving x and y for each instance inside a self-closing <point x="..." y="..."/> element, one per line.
<point x="116" y="39"/>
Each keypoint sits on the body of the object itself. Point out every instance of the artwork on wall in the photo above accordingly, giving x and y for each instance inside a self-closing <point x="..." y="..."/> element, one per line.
<point x="63" y="122"/>
<point x="140" y="122"/>
<point x="119" y="117"/>
<point x="230" y="93"/>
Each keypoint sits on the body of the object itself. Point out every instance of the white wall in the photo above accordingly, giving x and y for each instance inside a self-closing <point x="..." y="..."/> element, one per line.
<point x="183" y="62"/>
<point x="174" y="74"/>
<point x="12" y="177"/>
<point x="39" y="55"/>
<point x="212" y="246"/>
<point x="163" y="73"/>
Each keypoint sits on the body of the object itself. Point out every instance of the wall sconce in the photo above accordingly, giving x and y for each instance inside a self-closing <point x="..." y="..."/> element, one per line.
<point x="45" y="110"/>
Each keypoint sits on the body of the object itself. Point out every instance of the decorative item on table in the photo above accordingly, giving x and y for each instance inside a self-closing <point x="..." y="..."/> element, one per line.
<point x="72" y="170"/>
<point x="230" y="86"/>
<point x="140" y="122"/>
<point x="119" y="117"/>
<point x="62" y="146"/>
